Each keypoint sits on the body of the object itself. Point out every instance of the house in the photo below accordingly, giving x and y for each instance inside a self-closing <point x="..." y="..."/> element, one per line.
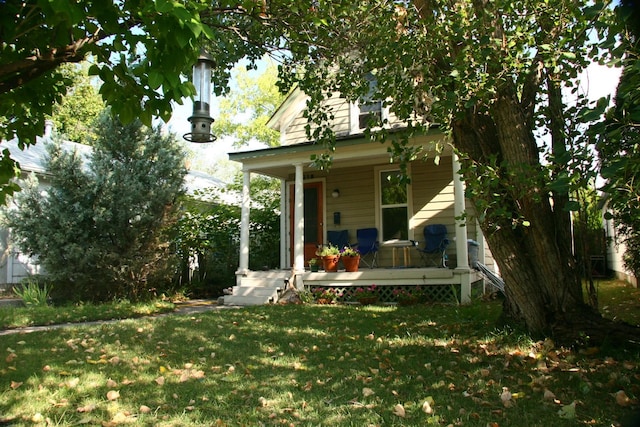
<point x="349" y="197"/>
<point x="615" y="250"/>
<point x="14" y="265"/>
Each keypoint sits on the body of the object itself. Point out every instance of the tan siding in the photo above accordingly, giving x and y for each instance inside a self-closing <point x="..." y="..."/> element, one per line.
<point x="295" y="132"/>
<point x="356" y="202"/>
<point x="433" y="198"/>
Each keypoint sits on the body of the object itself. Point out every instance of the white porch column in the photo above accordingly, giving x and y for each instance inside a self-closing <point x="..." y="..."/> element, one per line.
<point x="284" y="231"/>
<point x="243" y="268"/>
<point x="298" y="218"/>
<point x="462" y="251"/>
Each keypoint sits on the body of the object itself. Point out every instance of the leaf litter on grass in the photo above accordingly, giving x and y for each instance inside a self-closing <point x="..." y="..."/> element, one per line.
<point x="337" y="365"/>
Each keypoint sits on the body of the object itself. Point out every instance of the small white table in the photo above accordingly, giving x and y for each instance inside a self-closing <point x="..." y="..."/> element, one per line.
<point x="405" y="245"/>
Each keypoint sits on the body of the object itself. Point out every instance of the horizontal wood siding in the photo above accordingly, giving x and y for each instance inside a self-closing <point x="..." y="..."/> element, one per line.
<point x="296" y="133"/>
<point x="356" y="203"/>
<point x="341" y="110"/>
<point x="433" y="198"/>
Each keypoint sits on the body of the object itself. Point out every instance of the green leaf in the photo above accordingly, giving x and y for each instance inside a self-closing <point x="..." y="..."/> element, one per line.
<point x="568" y="412"/>
<point x="155" y="79"/>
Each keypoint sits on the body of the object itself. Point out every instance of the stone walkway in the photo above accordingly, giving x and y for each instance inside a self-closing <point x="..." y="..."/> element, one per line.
<point x="182" y="308"/>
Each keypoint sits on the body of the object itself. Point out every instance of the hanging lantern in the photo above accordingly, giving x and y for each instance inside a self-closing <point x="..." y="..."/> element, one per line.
<point x="201" y="119"/>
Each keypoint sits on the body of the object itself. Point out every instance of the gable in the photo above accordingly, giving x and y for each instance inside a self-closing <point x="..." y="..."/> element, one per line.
<point x="348" y="118"/>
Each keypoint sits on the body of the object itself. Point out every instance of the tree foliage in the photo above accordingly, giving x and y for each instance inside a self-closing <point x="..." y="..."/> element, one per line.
<point x="245" y="112"/>
<point x="99" y="228"/>
<point x="76" y="115"/>
<point x="139" y="49"/>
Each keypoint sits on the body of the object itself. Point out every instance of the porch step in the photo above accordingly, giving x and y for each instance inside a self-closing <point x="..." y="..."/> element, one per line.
<point x="246" y="300"/>
<point x="257" y="288"/>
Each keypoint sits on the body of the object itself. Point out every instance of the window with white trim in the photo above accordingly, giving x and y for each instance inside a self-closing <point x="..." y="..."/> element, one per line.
<point x="394" y="205"/>
<point x="367" y="111"/>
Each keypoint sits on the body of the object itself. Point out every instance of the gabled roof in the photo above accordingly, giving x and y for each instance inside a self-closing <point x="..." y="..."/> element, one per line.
<point x="293" y="104"/>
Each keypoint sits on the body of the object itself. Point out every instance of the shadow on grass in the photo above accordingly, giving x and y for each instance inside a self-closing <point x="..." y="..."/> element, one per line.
<point x="308" y="365"/>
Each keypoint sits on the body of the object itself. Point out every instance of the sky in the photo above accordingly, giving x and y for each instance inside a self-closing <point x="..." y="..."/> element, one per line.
<point x="599" y="80"/>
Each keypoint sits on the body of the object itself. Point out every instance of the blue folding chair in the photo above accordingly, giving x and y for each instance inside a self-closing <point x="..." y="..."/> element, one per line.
<point x="368" y="246"/>
<point x="435" y="245"/>
<point x="339" y="238"/>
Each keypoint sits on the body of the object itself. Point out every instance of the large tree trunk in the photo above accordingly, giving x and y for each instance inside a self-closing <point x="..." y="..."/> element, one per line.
<point x="543" y="285"/>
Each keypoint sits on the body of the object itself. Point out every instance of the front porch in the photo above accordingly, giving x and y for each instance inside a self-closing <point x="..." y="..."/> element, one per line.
<point x="441" y="284"/>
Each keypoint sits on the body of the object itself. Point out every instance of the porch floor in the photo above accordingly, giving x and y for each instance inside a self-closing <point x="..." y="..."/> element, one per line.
<point x="261" y="287"/>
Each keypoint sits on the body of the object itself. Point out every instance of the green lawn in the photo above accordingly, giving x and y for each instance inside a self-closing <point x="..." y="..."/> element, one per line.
<point x="313" y="365"/>
<point x="18" y="317"/>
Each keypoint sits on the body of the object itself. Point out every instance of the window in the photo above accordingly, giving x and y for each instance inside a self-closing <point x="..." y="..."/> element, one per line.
<point x="394" y="206"/>
<point x="368" y="111"/>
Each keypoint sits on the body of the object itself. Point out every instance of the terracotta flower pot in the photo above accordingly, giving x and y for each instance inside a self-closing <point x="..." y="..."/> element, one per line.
<point x="351" y="263"/>
<point x="330" y="262"/>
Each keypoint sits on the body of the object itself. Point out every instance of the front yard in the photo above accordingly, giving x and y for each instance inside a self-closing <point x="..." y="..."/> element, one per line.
<point x="317" y="365"/>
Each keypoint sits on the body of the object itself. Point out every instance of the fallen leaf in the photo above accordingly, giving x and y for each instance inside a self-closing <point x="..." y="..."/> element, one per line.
<point x="366" y="392"/>
<point x="427" y="406"/>
<point x="159" y="380"/>
<point x="123" y="418"/>
<point x="568" y="411"/>
<point x="548" y="395"/>
<point x="144" y="409"/>
<point x="15" y="384"/>
<point x="622" y="399"/>
<point x="113" y="395"/>
<point x="87" y="408"/>
<point x="11" y="357"/>
<point x="398" y="410"/>
<point x="111" y="383"/>
<point x="506" y="398"/>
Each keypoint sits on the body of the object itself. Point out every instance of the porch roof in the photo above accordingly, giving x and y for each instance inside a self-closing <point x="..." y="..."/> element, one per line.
<point x="350" y="151"/>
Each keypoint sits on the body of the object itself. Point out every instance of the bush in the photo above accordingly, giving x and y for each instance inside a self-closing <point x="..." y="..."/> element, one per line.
<point x="99" y="228"/>
<point x="33" y="293"/>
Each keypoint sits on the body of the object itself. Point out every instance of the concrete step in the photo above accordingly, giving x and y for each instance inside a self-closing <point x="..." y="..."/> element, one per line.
<point x="247" y="300"/>
<point x="241" y="291"/>
<point x="262" y="282"/>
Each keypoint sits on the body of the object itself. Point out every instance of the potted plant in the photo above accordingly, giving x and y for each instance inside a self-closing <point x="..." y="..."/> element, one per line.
<point x="313" y="264"/>
<point x="350" y="258"/>
<point x="324" y="295"/>
<point x="367" y="295"/>
<point x="330" y="256"/>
